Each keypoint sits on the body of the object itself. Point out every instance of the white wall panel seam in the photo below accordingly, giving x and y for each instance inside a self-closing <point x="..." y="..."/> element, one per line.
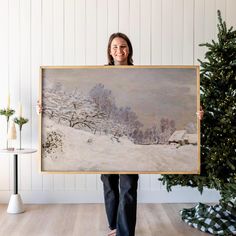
<point x="215" y="21"/>
<point x="107" y="21"/>
<point x="96" y="40"/>
<point x="161" y="31"/>
<point x="118" y="9"/>
<point x="226" y="11"/>
<point x="20" y="84"/>
<point x="182" y="43"/>
<point x="171" y="33"/>
<point x="193" y="10"/>
<point x="183" y="33"/>
<point x="129" y="19"/>
<point x="74" y="43"/>
<point x="41" y="37"/>
<point x="150" y="55"/>
<point x="204" y="29"/>
<point x="19" y="29"/>
<point x="52" y="63"/>
<point x="8" y="47"/>
<point x="30" y="73"/>
<point x="85" y="34"/>
<point x="9" y="159"/>
<point x="139" y="31"/>
<point x="64" y="32"/>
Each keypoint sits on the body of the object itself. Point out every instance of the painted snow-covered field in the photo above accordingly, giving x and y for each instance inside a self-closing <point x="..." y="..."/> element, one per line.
<point x="124" y="119"/>
<point x="102" y="153"/>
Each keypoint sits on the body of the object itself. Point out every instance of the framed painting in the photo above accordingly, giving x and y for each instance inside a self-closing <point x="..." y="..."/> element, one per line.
<point x="125" y="119"/>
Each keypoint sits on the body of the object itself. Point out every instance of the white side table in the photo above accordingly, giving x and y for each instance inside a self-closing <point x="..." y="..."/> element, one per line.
<point x="16" y="205"/>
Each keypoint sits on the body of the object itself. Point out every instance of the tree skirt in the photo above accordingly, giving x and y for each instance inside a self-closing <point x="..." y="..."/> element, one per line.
<point x="218" y="220"/>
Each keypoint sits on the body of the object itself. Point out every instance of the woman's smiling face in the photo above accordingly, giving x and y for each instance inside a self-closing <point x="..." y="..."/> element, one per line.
<point x="119" y="51"/>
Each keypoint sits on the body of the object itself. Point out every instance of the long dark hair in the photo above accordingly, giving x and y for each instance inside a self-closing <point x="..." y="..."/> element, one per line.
<point x="123" y="36"/>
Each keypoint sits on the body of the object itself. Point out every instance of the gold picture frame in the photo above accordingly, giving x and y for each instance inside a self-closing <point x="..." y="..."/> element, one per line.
<point x="119" y="119"/>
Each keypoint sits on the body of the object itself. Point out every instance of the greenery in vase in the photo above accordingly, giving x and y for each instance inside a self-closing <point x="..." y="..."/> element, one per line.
<point x="218" y="128"/>
<point x="20" y="121"/>
<point x="7" y="112"/>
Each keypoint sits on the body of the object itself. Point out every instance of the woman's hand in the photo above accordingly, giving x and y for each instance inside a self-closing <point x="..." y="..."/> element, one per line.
<point x="200" y="113"/>
<point x="39" y="108"/>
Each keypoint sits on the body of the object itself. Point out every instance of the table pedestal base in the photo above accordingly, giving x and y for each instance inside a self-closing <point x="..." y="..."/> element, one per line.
<point x="15" y="205"/>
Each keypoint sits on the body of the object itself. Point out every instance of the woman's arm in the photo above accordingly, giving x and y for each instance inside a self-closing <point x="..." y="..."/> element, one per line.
<point x="200" y="113"/>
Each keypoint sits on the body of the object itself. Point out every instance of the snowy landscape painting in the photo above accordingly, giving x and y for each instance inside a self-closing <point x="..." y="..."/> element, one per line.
<point x="127" y="119"/>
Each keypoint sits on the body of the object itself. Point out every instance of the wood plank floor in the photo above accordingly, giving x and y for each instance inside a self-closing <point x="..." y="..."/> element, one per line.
<point x="90" y="220"/>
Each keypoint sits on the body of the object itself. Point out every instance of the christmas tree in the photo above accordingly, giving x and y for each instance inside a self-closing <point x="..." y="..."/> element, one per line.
<point x="218" y="127"/>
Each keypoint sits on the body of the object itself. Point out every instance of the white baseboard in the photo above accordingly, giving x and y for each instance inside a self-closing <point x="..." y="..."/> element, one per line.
<point x="180" y="195"/>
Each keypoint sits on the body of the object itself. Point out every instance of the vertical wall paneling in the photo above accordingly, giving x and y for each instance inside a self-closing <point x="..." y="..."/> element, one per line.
<point x="188" y="34"/>
<point x="91" y="51"/>
<point x="230" y="11"/>
<point x="25" y="90"/>
<point x="102" y="40"/>
<point x="14" y="61"/>
<point x="156" y="32"/>
<point x="155" y="184"/>
<point x="80" y="59"/>
<point x="113" y="16"/>
<point x="178" y="31"/>
<point x="99" y="186"/>
<point x="91" y="32"/>
<point x="80" y="29"/>
<point x="69" y="59"/>
<point x="145" y="59"/>
<point x="36" y="58"/>
<point x="59" y="32"/>
<point x="221" y="5"/>
<point x="102" y="37"/>
<point x="4" y="68"/>
<point x="58" y="58"/>
<point x="75" y="32"/>
<point x="47" y="59"/>
<point x="134" y="29"/>
<point x="199" y="18"/>
<point x="124" y="17"/>
<point x="167" y="40"/>
<point x="144" y="182"/>
<point x="47" y="32"/>
<point x="145" y="32"/>
<point x="4" y="63"/>
<point x="69" y="32"/>
<point x="210" y="20"/>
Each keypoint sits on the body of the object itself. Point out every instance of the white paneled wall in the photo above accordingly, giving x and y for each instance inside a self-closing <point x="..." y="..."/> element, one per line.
<point x="75" y="32"/>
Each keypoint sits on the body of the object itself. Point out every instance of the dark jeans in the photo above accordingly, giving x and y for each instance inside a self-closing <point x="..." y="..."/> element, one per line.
<point x="121" y="206"/>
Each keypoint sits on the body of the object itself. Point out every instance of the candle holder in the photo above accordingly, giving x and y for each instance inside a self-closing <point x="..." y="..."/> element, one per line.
<point x="7" y="113"/>
<point x="20" y="121"/>
<point x="11" y="136"/>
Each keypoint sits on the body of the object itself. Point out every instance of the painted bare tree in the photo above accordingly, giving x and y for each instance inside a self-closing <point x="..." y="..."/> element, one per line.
<point x="71" y="109"/>
<point x="103" y="98"/>
<point x="81" y="112"/>
<point x="119" y="121"/>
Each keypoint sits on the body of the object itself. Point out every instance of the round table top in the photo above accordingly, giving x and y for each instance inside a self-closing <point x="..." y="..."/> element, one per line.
<point x="18" y="151"/>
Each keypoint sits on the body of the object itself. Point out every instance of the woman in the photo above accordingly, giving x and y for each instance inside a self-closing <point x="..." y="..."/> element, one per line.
<point x="120" y="203"/>
<point x="121" y="206"/>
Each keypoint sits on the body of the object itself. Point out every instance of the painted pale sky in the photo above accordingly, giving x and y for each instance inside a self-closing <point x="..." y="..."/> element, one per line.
<point x="153" y="93"/>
